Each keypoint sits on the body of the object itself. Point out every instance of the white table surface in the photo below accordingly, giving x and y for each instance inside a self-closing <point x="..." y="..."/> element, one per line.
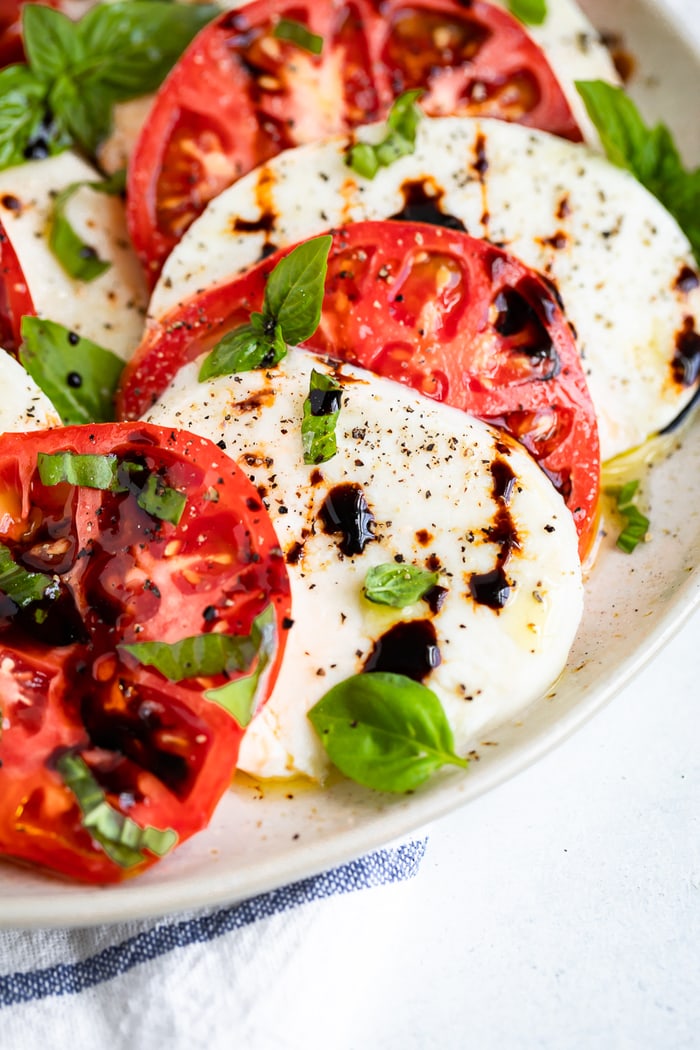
<point x="561" y="911"/>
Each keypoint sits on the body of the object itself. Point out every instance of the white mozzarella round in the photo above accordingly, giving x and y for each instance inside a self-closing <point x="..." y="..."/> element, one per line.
<point x="427" y="474"/>
<point x="23" y="405"/>
<point x="616" y="255"/>
<point x="108" y="310"/>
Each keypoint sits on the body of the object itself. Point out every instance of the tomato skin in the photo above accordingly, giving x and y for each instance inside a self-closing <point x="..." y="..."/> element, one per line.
<point x="161" y="751"/>
<point x="239" y="96"/>
<point x="15" y="298"/>
<point x="452" y="316"/>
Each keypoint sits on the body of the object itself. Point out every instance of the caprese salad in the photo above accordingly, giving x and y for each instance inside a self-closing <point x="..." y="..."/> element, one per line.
<point x="304" y="411"/>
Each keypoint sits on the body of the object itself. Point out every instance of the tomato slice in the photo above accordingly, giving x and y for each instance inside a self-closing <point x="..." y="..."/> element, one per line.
<point x="452" y="316"/>
<point x="239" y="95"/>
<point x="15" y="299"/>
<point x="155" y="753"/>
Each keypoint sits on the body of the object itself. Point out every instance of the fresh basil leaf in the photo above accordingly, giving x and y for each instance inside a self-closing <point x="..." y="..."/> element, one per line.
<point x="384" y="731"/>
<point x="199" y="656"/>
<point x="87" y="470"/>
<point x="22" y="116"/>
<point x="123" y="840"/>
<point x="296" y="33"/>
<point x="402" y="122"/>
<point x="321" y="411"/>
<point x="239" y="697"/>
<point x="131" y="46"/>
<point x="291" y="312"/>
<point x="648" y="152"/>
<point x="78" y="376"/>
<point x="160" y="501"/>
<point x="22" y="586"/>
<point x="294" y="290"/>
<point x="50" y="41"/>
<point x="530" y="12"/>
<point x="636" y="524"/>
<point x="242" y="350"/>
<point x="398" y="585"/>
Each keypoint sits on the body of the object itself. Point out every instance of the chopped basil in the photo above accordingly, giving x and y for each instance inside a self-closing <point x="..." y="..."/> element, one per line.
<point x="77" y="375"/>
<point x="122" y="839"/>
<point x="91" y="471"/>
<point x="103" y="472"/>
<point x="77" y="71"/>
<point x="398" y="585"/>
<point x="160" y="501"/>
<point x="400" y="139"/>
<point x="239" y="697"/>
<point x="291" y="312"/>
<point x="21" y="586"/>
<point x="77" y="258"/>
<point x="648" y="152"/>
<point x="530" y="12"/>
<point x="321" y="411"/>
<point x="384" y="731"/>
<point x="296" y="33"/>
<point x="636" y="524"/>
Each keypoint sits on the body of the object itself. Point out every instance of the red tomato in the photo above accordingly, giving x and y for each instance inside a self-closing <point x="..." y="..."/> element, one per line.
<point x="11" y="48"/>
<point x="15" y="300"/>
<point x="239" y="95"/>
<point x="454" y="317"/>
<point x="160" y="752"/>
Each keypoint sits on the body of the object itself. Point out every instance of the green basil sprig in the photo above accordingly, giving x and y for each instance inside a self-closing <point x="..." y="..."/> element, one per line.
<point x="384" y="731"/>
<point x="205" y="655"/>
<point x="636" y="524"/>
<point x="22" y="586"/>
<point x="400" y="139"/>
<point x="77" y="71"/>
<point x="291" y="312"/>
<point x="648" y="152"/>
<point x="530" y="12"/>
<point x="398" y="585"/>
<point x="297" y="33"/>
<point x="78" y="258"/>
<point x="78" y="376"/>
<point x="122" y="839"/>
<point x="321" y="411"/>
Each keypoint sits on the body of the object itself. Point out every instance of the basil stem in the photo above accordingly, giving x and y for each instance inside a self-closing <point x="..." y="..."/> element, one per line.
<point x="321" y="411"/>
<point x="636" y="524"/>
<point x="384" y="731"/>
<point x="398" y="585"/>
<point x="122" y="839"/>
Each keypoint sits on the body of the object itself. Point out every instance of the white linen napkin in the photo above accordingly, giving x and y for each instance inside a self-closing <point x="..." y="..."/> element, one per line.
<point x="207" y="978"/>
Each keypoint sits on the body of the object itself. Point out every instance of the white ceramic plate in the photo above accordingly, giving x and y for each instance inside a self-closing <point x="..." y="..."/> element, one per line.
<point x="261" y="837"/>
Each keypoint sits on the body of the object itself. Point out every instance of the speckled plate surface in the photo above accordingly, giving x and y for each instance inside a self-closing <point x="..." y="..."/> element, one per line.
<point x="260" y="837"/>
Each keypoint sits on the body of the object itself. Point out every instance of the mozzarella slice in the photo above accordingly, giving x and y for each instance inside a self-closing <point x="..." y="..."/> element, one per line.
<point x="23" y="405"/>
<point x="619" y="260"/>
<point x="430" y="476"/>
<point x="108" y="310"/>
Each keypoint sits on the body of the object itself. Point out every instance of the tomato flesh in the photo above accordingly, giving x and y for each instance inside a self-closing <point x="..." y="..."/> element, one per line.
<point x="162" y="753"/>
<point x="452" y="316"/>
<point x="239" y="95"/>
<point x="15" y="298"/>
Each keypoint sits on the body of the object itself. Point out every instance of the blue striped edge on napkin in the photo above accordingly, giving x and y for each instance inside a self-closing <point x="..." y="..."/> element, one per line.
<point x="384" y="866"/>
